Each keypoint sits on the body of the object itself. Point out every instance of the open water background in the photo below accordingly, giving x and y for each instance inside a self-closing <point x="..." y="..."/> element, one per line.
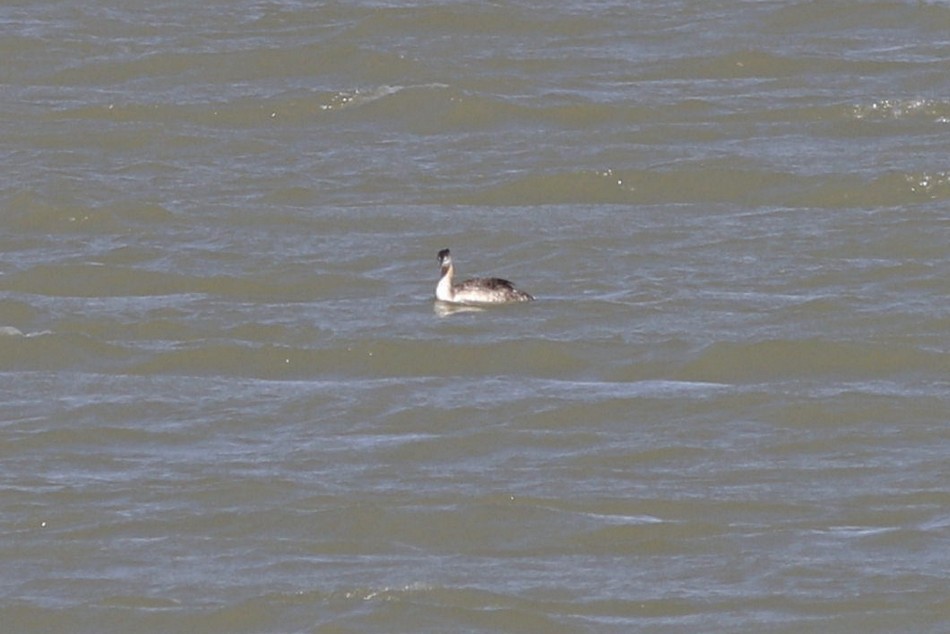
<point x="228" y="403"/>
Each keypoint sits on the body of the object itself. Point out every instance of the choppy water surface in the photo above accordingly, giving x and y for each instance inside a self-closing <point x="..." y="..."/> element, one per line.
<point x="229" y="403"/>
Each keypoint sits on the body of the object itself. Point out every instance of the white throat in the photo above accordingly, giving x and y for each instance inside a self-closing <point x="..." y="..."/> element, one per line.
<point x="444" y="292"/>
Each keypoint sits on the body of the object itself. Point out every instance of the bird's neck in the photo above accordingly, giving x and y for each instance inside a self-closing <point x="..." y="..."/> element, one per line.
<point x="444" y="290"/>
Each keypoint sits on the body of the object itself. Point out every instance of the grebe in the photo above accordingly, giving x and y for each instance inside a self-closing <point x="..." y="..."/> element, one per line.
<point x="480" y="290"/>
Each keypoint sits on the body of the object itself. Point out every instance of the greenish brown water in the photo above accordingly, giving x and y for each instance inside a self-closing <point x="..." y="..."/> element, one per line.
<point x="228" y="402"/>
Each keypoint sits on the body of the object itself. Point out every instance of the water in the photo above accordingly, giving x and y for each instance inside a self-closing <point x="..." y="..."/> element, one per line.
<point x="229" y="403"/>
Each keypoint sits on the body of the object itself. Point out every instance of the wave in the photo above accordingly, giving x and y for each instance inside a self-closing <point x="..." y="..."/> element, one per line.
<point x="27" y="211"/>
<point x="368" y="359"/>
<point x="117" y="278"/>
<point x="52" y="351"/>
<point x="711" y="182"/>
<point x="837" y="17"/>
<point x="813" y="359"/>
<point x="935" y="110"/>
<point x="164" y="348"/>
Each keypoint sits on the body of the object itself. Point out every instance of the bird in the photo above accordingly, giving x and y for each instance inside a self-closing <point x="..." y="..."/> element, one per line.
<point x="478" y="290"/>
